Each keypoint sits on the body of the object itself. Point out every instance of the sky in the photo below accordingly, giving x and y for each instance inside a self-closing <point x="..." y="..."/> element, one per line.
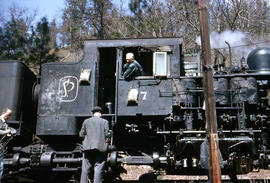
<point x="49" y="8"/>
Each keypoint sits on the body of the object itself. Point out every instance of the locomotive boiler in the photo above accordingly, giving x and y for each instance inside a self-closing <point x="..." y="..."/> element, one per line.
<point x="162" y="124"/>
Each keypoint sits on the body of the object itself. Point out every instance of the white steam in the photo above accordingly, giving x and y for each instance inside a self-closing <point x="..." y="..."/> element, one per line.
<point x="240" y="42"/>
<point x="234" y="38"/>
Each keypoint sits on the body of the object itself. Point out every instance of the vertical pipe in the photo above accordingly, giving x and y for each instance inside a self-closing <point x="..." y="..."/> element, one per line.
<point x="109" y="106"/>
<point x="268" y="96"/>
<point x="119" y="53"/>
<point x="210" y="112"/>
<point x="230" y="53"/>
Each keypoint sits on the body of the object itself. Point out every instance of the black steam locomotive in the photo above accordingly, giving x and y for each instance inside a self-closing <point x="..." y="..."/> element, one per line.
<point x="157" y="119"/>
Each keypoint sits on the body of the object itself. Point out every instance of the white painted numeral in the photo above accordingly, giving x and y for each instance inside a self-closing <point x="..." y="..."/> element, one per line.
<point x="144" y="93"/>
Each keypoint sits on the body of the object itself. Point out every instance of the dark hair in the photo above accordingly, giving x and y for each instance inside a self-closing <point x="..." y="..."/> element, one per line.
<point x="97" y="109"/>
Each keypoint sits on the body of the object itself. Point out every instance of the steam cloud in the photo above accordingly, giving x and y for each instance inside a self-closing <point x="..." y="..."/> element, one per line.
<point x="238" y="40"/>
<point x="234" y="38"/>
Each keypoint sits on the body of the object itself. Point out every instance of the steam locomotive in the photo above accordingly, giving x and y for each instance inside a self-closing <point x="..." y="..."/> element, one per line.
<point x="157" y="119"/>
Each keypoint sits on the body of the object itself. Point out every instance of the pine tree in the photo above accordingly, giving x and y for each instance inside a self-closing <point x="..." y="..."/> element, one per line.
<point x="14" y="40"/>
<point x="73" y="23"/>
<point x="137" y="8"/>
<point x="97" y="16"/>
<point x="40" y="53"/>
<point x="53" y="34"/>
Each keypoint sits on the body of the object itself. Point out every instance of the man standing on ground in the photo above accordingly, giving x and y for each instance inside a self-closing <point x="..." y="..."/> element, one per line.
<point x="95" y="131"/>
<point x="6" y="113"/>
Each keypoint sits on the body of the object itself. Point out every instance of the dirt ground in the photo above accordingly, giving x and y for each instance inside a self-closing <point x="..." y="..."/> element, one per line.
<point x="134" y="172"/>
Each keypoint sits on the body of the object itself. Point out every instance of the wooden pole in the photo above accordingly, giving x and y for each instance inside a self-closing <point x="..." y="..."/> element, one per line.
<point x="210" y="110"/>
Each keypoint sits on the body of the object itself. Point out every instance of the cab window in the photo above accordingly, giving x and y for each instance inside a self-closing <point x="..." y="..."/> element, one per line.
<point x="160" y="64"/>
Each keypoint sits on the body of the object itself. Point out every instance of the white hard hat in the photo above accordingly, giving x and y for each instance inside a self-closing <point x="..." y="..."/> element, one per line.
<point x="129" y="56"/>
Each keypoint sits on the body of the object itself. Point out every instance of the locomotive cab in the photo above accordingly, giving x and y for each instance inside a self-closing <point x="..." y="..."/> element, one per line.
<point x="155" y="62"/>
<point x="159" y="59"/>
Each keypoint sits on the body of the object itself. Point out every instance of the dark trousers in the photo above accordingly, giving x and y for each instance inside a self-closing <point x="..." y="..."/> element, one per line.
<point x="95" y="159"/>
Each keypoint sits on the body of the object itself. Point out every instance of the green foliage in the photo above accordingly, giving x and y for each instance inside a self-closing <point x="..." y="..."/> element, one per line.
<point x="84" y="19"/>
<point x="73" y="27"/>
<point x="24" y="43"/>
<point x="14" y="39"/>
<point x="41" y="48"/>
<point x="137" y="8"/>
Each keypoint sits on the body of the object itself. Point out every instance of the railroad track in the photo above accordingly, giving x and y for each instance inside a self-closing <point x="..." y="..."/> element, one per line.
<point x="133" y="173"/>
<point x="157" y="181"/>
<point x="261" y="176"/>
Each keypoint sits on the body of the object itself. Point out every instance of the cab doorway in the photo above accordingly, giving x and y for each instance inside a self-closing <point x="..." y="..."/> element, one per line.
<point x="107" y="77"/>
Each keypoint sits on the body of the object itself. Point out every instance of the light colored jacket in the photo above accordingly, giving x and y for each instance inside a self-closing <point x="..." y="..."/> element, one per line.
<point x="95" y="130"/>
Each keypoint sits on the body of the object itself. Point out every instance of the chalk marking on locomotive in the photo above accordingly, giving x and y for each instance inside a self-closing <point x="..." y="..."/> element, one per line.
<point x="66" y="88"/>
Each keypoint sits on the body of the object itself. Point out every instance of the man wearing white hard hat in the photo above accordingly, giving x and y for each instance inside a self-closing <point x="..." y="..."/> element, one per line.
<point x="132" y="68"/>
